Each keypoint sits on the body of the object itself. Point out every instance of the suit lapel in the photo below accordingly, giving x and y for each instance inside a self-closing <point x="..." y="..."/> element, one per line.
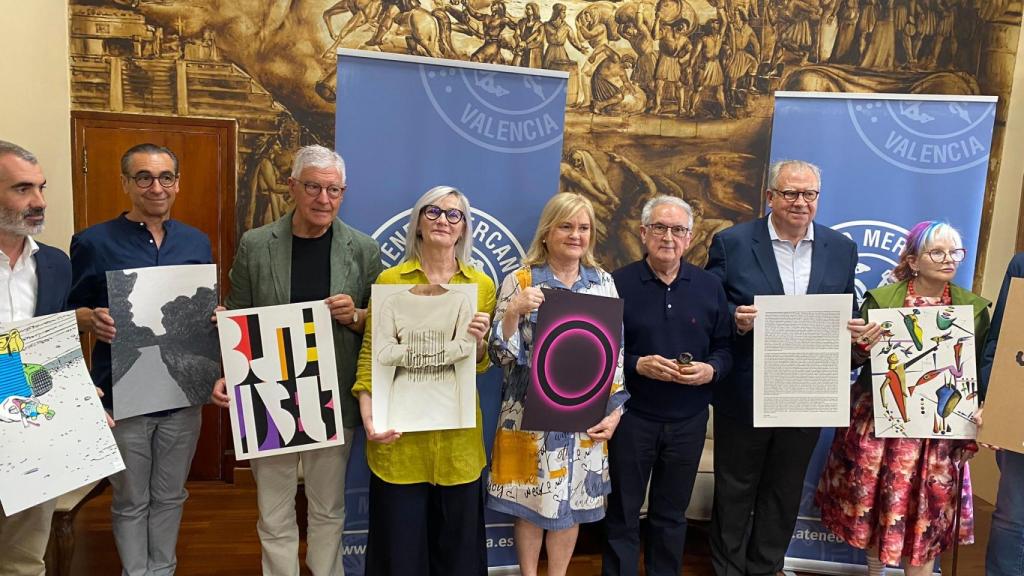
<point x="764" y="253"/>
<point x="44" y="271"/>
<point x="280" y="247"/>
<point x="341" y="259"/>
<point x="819" y="249"/>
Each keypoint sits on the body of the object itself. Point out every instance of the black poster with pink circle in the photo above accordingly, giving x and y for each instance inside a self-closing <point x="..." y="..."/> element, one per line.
<point x="573" y="361"/>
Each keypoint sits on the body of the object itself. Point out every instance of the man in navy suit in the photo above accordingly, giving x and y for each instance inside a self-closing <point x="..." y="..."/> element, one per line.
<point x="760" y="471"/>
<point x="34" y="281"/>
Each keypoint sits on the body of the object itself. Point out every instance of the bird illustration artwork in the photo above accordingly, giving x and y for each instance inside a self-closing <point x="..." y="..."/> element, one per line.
<point x="946" y="399"/>
<point x="946" y="320"/>
<point x="956" y="369"/>
<point x="913" y="324"/>
<point x="896" y="381"/>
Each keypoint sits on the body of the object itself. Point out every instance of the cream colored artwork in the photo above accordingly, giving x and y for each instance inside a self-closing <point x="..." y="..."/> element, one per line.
<point x="424" y="361"/>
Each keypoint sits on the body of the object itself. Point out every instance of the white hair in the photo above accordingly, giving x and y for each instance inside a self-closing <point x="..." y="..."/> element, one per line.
<point x="317" y="157"/>
<point x="648" y="210"/>
<point x="776" y="169"/>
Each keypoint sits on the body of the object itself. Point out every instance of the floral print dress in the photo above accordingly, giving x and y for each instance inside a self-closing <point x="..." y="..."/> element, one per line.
<point x="898" y="494"/>
<point x="554" y="480"/>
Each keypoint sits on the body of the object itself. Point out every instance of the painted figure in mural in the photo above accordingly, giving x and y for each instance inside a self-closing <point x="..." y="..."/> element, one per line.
<point x="550" y="481"/>
<point x="363" y="12"/>
<point x="642" y="42"/>
<point x="799" y="29"/>
<point x="910" y="518"/>
<point x="744" y="56"/>
<point x="37" y="279"/>
<point x="596" y="26"/>
<point x="493" y="25"/>
<point x="556" y="33"/>
<point x="149" y="495"/>
<point x="880" y="51"/>
<point x="672" y="70"/>
<point x="581" y="174"/>
<point x="530" y="36"/>
<point x="659" y="441"/>
<point x="315" y="256"/>
<point x="707" y="57"/>
<point x="704" y="229"/>
<point x="266" y="184"/>
<point x="416" y="490"/>
<point x="612" y="92"/>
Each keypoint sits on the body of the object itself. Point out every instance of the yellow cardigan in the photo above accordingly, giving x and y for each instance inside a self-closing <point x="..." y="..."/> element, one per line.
<point x="441" y="457"/>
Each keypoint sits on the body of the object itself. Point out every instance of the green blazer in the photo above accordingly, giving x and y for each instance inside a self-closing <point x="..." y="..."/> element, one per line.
<point x="261" y="276"/>
<point x="893" y="296"/>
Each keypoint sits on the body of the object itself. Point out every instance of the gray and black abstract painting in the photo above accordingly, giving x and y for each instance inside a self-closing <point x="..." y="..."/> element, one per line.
<point x="165" y="354"/>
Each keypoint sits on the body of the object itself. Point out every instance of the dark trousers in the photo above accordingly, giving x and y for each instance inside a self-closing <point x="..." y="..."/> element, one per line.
<point x="759" y="471"/>
<point x="426" y="530"/>
<point x="668" y="455"/>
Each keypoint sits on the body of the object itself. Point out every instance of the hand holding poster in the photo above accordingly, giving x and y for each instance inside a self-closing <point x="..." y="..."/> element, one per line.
<point x="923" y="373"/>
<point x="1004" y="404"/>
<point x="283" y="398"/>
<point x="802" y="360"/>
<point x="574" y="357"/>
<point x="165" y="353"/>
<point x="424" y="361"/>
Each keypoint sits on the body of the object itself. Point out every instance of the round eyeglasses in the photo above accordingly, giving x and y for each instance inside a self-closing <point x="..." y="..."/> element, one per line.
<point x="313" y="189"/>
<point x="145" y="179"/>
<point x="659" y="229"/>
<point x="939" y="256"/>
<point x="453" y="215"/>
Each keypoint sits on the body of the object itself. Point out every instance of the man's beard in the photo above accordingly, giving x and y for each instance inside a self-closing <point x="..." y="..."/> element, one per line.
<point x="16" y="222"/>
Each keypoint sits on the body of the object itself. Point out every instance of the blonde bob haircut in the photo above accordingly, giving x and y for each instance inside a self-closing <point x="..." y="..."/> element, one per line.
<point x="560" y="208"/>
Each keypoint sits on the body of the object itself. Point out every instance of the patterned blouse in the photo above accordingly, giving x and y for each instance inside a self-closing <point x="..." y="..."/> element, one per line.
<point x="552" y="479"/>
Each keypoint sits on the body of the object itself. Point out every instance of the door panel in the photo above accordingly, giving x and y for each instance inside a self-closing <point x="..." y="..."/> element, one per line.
<point x="206" y="199"/>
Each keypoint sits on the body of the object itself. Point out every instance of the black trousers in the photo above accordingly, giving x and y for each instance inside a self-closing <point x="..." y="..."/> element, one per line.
<point x="668" y="454"/>
<point x="758" y="471"/>
<point x="426" y="530"/>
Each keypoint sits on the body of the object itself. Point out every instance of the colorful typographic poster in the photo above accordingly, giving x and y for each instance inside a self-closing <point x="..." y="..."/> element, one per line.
<point x="54" y="436"/>
<point x="164" y="355"/>
<point x="283" y="397"/>
<point x="1004" y="403"/>
<point x="923" y="372"/>
<point x="424" y="360"/>
<point x="575" y="353"/>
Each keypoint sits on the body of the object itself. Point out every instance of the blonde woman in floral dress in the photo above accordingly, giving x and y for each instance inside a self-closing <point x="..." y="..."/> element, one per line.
<point x="550" y="481"/>
<point x="896" y="497"/>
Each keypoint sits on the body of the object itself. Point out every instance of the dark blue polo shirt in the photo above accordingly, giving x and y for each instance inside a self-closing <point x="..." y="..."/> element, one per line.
<point x="689" y="315"/>
<point x="121" y="244"/>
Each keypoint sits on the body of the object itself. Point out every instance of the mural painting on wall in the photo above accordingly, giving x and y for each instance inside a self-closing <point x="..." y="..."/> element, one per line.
<point x="665" y="96"/>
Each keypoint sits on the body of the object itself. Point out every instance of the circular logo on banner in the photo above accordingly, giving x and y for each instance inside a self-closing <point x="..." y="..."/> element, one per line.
<point x="925" y="136"/>
<point x="559" y="380"/>
<point x="501" y="112"/>
<point x="496" y="251"/>
<point x="878" y="251"/>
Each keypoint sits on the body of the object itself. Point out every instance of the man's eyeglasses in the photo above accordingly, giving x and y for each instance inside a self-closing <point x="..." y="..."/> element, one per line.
<point x="939" y="256"/>
<point x="792" y="195"/>
<point x="659" y="229"/>
<point x="432" y="212"/>
<point x="313" y="189"/>
<point x="145" y="179"/>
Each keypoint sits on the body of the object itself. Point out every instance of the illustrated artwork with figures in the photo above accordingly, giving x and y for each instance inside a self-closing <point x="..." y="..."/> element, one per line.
<point x="923" y="373"/>
<point x="54" y="436"/>
<point x="424" y="361"/>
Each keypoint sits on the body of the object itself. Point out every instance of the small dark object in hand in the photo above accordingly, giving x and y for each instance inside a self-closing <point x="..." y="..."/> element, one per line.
<point x="685" y="358"/>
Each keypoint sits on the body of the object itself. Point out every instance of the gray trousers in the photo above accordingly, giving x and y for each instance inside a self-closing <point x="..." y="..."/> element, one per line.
<point x="149" y="495"/>
<point x="23" y="539"/>
<point x="277" y="479"/>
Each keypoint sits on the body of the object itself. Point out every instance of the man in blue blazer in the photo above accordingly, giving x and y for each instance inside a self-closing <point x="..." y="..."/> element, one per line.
<point x="761" y="470"/>
<point x="34" y="281"/>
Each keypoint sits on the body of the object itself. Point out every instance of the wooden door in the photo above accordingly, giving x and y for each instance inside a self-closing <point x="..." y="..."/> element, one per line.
<point x="206" y="199"/>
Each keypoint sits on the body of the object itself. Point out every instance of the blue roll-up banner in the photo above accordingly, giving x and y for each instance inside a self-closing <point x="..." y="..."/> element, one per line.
<point x="406" y="124"/>
<point x="888" y="161"/>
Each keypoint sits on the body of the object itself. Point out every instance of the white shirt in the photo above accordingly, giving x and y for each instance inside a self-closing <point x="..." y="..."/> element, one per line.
<point x="18" y="285"/>
<point x="794" y="262"/>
